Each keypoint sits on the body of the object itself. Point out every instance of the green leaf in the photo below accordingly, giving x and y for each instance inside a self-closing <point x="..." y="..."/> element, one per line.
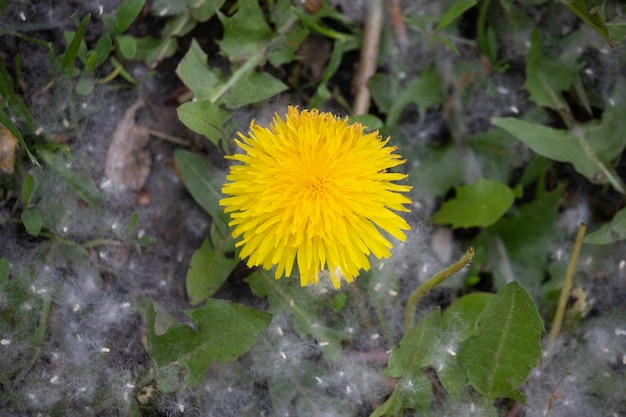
<point x="308" y="312"/>
<point x="152" y="51"/>
<point x="257" y="86"/>
<point x="196" y="74"/>
<point x="439" y="172"/>
<point x="424" y="91"/>
<point x="205" y="118"/>
<point x="204" y="182"/>
<point x="617" y="29"/>
<point x="461" y="316"/>
<point x="497" y="155"/>
<point x="594" y="19"/>
<point x="126" y="14"/>
<point x="85" y="84"/>
<point x="480" y="204"/>
<point x="590" y="149"/>
<point x="454" y="11"/>
<point x="517" y="245"/>
<point x="68" y="35"/>
<point x="102" y="50"/>
<point x="28" y="188"/>
<point x="31" y="218"/>
<point x="226" y="330"/>
<point x="506" y="346"/>
<point x="4" y="271"/>
<point x="546" y="78"/>
<point x="611" y="232"/>
<point x="69" y="57"/>
<point x="418" y="348"/>
<point x="245" y="31"/>
<point x="127" y="46"/>
<point x="132" y="223"/>
<point x="211" y="264"/>
<point x="287" y="50"/>
<point x="204" y="10"/>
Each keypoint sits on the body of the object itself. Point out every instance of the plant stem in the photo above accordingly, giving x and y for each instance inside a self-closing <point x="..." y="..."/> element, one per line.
<point x="369" y="55"/>
<point x="425" y="287"/>
<point x="567" y="286"/>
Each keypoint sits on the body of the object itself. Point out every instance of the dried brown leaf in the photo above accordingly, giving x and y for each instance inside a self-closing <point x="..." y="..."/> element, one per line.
<point x="8" y="146"/>
<point x="128" y="160"/>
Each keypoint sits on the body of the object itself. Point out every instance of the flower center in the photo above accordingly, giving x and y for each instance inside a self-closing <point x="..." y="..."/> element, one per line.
<point x="316" y="186"/>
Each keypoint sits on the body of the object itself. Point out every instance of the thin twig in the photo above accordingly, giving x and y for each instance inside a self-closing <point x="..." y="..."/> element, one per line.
<point x="169" y="138"/>
<point x="397" y="24"/>
<point x="567" y="286"/>
<point x="369" y="56"/>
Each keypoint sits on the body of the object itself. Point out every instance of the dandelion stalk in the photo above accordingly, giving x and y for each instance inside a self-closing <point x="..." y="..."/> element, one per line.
<point x="567" y="286"/>
<point x="422" y="290"/>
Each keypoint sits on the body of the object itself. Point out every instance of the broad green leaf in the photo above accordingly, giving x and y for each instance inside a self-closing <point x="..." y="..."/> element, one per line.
<point x="196" y="74"/>
<point x="546" y="77"/>
<point x="590" y="149"/>
<point x="479" y="204"/>
<point x="127" y="46"/>
<point x="226" y="330"/>
<point x="205" y="118"/>
<point x="210" y="265"/>
<point x="518" y="244"/>
<point x="424" y="91"/>
<point x="257" y="86"/>
<point x="418" y="348"/>
<point x="613" y="231"/>
<point x="506" y="345"/>
<point x="126" y="14"/>
<point x="496" y="154"/>
<point x="31" y="218"/>
<point x="459" y="319"/>
<point x="454" y="11"/>
<point x="28" y="188"/>
<point x="204" y="183"/>
<point x="245" y="31"/>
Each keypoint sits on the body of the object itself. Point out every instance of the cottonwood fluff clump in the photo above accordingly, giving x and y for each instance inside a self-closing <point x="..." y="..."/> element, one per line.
<point x="314" y="190"/>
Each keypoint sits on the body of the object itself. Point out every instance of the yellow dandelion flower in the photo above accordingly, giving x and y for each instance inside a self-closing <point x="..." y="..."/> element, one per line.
<point x="314" y="190"/>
